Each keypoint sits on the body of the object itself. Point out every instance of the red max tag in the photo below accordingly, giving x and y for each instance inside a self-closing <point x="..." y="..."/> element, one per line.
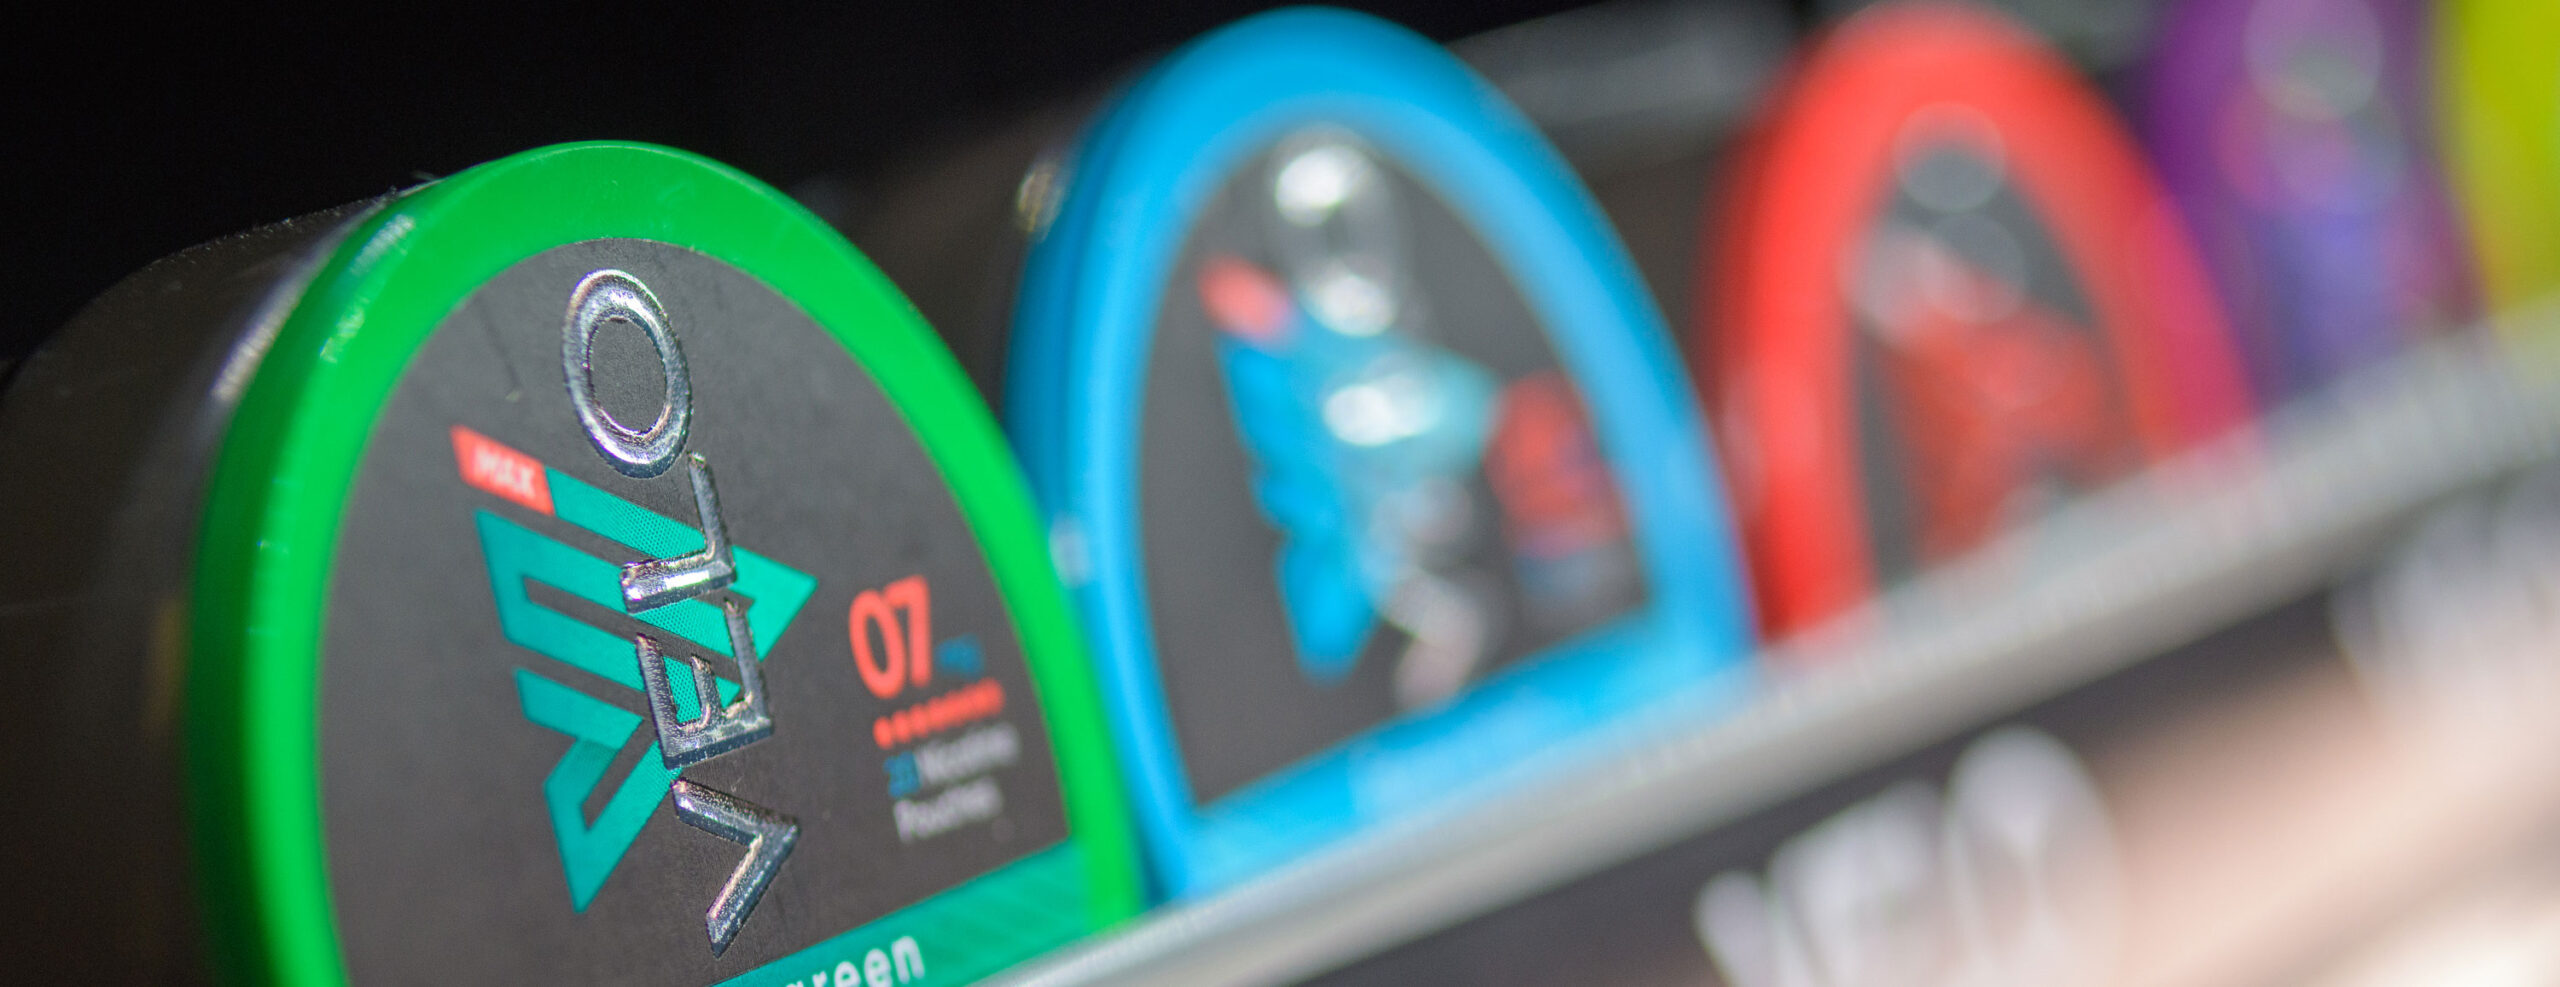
<point x="491" y="466"/>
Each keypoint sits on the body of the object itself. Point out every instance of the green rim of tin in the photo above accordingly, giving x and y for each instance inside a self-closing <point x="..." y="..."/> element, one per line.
<point x="280" y="483"/>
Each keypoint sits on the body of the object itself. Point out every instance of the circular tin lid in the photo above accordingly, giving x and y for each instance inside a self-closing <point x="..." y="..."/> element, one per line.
<point x="1365" y="452"/>
<point x="2299" y="140"/>
<point x="2499" y="93"/>
<point x="604" y="575"/>
<point x="1948" y="292"/>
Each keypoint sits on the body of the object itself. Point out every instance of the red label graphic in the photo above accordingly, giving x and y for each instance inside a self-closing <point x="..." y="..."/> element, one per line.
<point x="1246" y="300"/>
<point x="491" y="466"/>
<point x="1546" y="470"/>
<point x="970" y="703"/>
<point x="905" y="654"/>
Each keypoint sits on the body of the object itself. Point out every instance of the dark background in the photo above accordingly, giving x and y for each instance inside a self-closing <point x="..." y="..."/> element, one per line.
<point x="154" y="131"/>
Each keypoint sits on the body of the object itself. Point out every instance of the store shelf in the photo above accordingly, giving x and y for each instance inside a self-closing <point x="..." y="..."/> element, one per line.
<point x="2187" y="548"/>
<point x="1631" y="80"/>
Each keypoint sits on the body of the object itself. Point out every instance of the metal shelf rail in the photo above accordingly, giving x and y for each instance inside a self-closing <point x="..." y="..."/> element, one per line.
<point x="2182" y="550"/>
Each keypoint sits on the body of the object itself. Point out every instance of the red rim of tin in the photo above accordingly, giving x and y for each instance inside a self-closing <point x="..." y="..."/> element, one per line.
<point x="1813" y="177"/>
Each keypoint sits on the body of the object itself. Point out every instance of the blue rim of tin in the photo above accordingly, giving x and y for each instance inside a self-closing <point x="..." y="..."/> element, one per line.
<point x="1083" y="332"/>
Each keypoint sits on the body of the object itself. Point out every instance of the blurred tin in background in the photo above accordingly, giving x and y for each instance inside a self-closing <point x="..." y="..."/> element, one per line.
<point x="1948" y="296"/>
<point x="2498" y="86"/>
<point x="2299" y="138"/>
<point x="1363" y="446"/>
